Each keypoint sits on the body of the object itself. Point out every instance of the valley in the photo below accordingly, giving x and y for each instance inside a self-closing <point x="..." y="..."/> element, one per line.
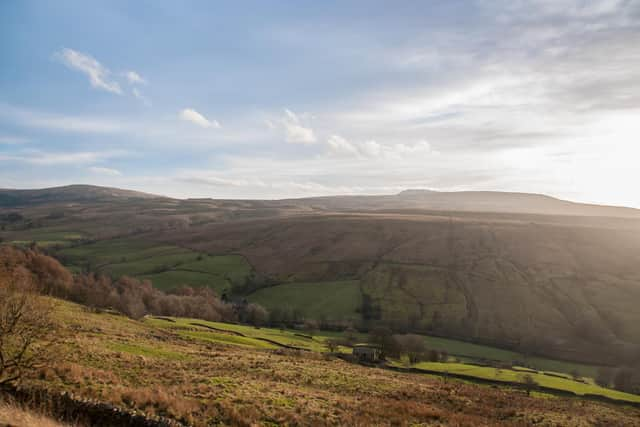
<point x="496" y="295"/>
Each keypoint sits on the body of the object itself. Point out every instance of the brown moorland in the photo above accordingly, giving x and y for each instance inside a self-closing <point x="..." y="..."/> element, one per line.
<point x="139" y="366"/>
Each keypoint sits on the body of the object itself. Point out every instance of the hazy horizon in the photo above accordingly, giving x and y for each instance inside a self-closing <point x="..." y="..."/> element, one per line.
<point x="272" y="101"/>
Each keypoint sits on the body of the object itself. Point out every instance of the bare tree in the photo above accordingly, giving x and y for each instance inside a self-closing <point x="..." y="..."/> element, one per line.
<point x="333" y="344"/>
<point x="26" y="329"/>
<point x="412" y="345"/>
<point x="257" y="315"/>
<point x="529" y="383"/>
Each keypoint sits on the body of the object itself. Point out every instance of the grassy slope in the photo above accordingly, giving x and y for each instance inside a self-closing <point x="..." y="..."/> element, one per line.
<point x="156" y="369"/>
<point x="251" y="336"/>
<point x="338" y="299"/>
<point x="292" y="338"/>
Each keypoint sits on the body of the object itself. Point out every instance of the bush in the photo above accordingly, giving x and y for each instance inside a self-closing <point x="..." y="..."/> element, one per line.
<point x="412" y="346"/>
<point x="627" y="379"/>
<point x="26" y="328"/>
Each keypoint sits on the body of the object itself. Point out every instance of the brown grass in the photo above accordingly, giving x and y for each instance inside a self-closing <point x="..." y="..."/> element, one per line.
<point x="241" y="386"/>
<point x="12" y="415"/>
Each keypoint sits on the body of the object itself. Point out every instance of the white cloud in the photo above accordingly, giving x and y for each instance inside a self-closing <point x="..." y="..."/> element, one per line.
<point x="338" y="146"/>
<point x="216" y="181"/>
<point x="191" y="115"/>
<point x="99" y="76"/>
<point x="134" y="78"/>
<point x="37" y="157"/>
<point x="295" y="132"/>
<point x="105" y="171"/>
<point x="371" y="149"/>
<point x="12" y="140"/>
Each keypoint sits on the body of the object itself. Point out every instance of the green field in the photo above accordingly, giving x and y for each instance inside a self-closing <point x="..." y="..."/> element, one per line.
<point x="329" y="300"/>
<point x="166" y="266"/>
<point x="173" y="278"/>
<point x="510" y="375"/>
<point x="46" y="237"/>
<point x="470" y="351"/>
<point x="241" y="334"/>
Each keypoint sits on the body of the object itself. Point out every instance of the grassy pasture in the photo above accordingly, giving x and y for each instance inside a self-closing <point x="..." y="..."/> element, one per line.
<point x="331" y="300"/>
<point x="173" y="278"/>
<point x="241" y="334"/>
<point x="233" y="268"/>
<point x="166" y="266"/>
<point x="489" y="373"/>
<point x="472" y="351"/>
<point x="45" y="237"/>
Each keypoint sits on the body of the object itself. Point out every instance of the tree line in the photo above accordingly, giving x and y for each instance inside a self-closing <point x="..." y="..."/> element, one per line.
<point x="130" y="296"/>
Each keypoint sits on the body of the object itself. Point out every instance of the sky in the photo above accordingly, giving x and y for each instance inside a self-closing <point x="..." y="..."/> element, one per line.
<point x="281" y="99"/>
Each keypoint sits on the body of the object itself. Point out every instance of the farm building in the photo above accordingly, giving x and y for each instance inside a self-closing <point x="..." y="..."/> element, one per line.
<point x="367" y="352"/>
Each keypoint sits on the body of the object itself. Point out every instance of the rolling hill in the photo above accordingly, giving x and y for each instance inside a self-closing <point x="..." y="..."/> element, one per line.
<point x="528" y="272"/>
<point x="68" y="194"/>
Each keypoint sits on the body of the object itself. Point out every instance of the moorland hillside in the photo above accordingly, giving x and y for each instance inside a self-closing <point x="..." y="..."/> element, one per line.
<point x="560" y="285"/>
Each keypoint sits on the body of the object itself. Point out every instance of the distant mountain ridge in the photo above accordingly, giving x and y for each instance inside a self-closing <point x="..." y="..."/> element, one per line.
<point x="411" y="199"/>
<point x="68" y="194"/>
<point x="468" y="201"/>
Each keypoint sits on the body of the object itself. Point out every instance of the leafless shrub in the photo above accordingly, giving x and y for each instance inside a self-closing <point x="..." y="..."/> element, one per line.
<point x="26" y="330"/>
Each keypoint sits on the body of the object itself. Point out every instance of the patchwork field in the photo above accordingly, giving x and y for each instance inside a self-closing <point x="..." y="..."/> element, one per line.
<point x="166" y="266"/>
<point x="114" y="359"/>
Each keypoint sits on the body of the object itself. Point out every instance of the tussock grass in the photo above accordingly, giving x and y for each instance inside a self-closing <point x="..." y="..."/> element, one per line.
<point x="131" y="364"/>
<point x="13" y="415"/>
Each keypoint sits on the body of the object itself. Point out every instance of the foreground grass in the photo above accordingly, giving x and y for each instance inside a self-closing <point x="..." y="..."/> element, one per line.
<point x="12" y="415"/>
<point x="173" y="369"/>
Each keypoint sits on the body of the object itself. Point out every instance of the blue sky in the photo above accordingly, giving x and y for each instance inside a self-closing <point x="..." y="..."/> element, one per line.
<point x="289" y="99"/>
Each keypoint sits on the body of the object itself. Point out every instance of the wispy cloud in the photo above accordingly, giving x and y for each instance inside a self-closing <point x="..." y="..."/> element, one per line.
<point x="77" y="158"/>
<point x="191" y="115"/>
<point x="338" y="146"/>
<point x="56" y="122"/>
<point x="295" y="132"/>
<point x="12" y="140"/>
<point x="134" y="78"/>
<point x="105" y="171"/>
<point x="99" y="76"/>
